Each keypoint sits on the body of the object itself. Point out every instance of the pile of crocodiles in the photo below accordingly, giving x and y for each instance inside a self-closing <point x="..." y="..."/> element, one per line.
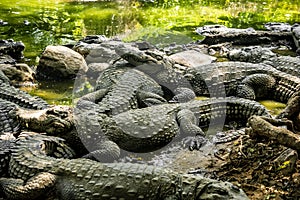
<point x="140" y="104"/>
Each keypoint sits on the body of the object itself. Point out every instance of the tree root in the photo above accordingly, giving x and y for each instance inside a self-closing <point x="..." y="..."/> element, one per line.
<point x="259" y="126"/>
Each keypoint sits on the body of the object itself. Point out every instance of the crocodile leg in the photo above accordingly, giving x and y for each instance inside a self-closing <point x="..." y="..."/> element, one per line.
<point x="149" y="98"/>
<point x="95" y="96"/>
<point x="90" y="101"/>
<point x="32" y="189"/>
<point x="108" y="151"/>
<point x="255" y="86"/>
<point x="188" y="126"/>
<point x="183" y="94"/>
<point x="91" y="131"/>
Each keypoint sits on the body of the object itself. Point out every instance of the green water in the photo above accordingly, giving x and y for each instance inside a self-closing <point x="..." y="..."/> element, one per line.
<point x="63" y="21"/>
<point x="39" y="23"/>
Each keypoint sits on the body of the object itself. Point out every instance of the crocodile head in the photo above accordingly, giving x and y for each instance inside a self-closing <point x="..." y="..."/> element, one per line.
<point x="150" y="61"/>
<point x="221" y="190"/>
<point x="133" y="55"/>
<point x="45" y="145"/>
<point x="198" y="187"/>
<point x="53" y="120"/>
<point x="254" y="54"/>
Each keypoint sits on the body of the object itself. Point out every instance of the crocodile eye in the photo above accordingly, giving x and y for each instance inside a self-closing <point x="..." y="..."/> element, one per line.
<point x="235" y="188"/>
<point x="158" y="57"/>
<point x="42" y="147"/>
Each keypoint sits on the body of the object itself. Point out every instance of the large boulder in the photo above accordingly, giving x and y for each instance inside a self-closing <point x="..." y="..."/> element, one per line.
<point x="60" y="62"/>
<point x="192" y="58"/>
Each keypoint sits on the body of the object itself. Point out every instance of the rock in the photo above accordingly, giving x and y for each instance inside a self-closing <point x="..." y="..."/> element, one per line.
<point x="192" y="58"/>
<point x="18" y="74"/>
<point x="95" y="69"/>
<point x="59" y="62"/>
<point x="286" y="161"/>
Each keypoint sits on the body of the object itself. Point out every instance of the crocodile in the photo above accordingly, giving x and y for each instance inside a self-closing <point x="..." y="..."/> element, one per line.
<point x="120" y="88"/>
<point x="19" y="97"/>
<point x="258" y="54"/>
<point x="161" y="68"/>
<point x="11" y="100"/>
<point x="242" y="79"/>
<point x="278" y="27"/>
<point x="36" y="174"/>
<point x="296" y="36"/>
<point x="12" y="48"/>
<point x="151" y="128"/>
<point x="8" y="112"/>
<point x="216" y="34"/>
<point x="7" y="141"/>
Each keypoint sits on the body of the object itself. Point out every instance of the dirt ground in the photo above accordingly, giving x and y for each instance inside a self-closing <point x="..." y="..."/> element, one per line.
<point x="262" y="168"/>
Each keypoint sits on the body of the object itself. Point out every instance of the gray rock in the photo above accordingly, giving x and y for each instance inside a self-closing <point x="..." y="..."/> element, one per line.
<point x="59" y="62"/>
<point x="192" y="58"/>
<point x="95" y="69"/>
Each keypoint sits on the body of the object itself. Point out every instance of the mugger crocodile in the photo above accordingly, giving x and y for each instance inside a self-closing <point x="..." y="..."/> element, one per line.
<point x="8" y="122"/>
<point x="36" y="174"/>
<point x="161" y="68"/>
<point x="151" y="128"/>
<point x="7" y="141"/>
<point x="242" y="79"/>
<point x="19" y="97"/>
<point x="120" y="88"/>
<point x="258" y="54"/>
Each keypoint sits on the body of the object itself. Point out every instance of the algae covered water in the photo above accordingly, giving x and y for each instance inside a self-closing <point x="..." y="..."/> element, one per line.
<point x="40" y="23"/>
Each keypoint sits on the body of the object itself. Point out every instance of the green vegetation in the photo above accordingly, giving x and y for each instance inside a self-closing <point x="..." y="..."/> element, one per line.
<point x="63" y="21"/>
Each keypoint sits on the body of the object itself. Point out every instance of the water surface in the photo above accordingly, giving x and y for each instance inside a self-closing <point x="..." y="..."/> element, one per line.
<point x="40" y="23"/>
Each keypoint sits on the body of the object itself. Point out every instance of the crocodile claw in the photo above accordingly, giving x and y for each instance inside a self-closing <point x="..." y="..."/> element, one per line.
<point x="182" y="95"/>
<point x="195" y="142"/>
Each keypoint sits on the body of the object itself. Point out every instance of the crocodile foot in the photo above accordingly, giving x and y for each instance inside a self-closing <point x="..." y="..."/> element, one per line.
<point x="183" y="94"/>
<point x="194" y="142"/>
